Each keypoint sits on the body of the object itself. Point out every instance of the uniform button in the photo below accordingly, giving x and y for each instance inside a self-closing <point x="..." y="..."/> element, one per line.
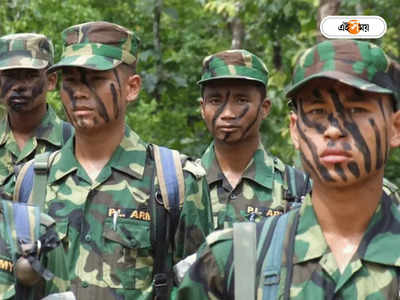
<point x="88" y="238"/>
<point x="84" y="284"/>
<point x="232" y="196"/>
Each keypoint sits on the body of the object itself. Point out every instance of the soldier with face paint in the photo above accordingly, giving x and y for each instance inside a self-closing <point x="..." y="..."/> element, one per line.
<point x="30" y="125"/>
<point x="245" y="181"/>
<point x="343" y="242"/>
<point x="101" y="183"/>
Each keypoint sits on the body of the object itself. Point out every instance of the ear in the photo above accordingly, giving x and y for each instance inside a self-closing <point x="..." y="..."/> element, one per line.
<point x="51" y="81"/>
<point x="395" y="139"/>
<point x="265" y="108"/>
<point x="294" y="134"/>
<point x="133" y="85"/>
<point x="202" y="104"/>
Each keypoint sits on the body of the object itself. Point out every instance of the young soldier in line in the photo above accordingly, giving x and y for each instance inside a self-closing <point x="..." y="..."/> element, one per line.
<point x="30" y="125"/>
<point x="102" y="184"/>
<point x="343" y="241"/>
<point x="244" y="180"/>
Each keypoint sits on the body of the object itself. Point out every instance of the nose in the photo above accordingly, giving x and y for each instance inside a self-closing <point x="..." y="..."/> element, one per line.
<point x="334" y="130"/>
<point x="229" y="111"/>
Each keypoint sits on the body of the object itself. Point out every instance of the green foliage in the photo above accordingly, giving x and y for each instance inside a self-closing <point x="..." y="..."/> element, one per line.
<point x="276" y="31"/>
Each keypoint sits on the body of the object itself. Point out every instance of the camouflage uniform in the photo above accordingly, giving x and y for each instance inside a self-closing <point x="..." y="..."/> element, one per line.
<point x="32" y="51"/>
<point x="262" y="188"/>
<point x="105" y="223"/>
<point x="372" y="272"/>
<point x="260" y="191"/>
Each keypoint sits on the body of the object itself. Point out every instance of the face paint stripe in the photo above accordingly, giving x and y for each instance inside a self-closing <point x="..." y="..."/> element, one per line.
<point x="379" y="100"/>
<point x="70" y="94"/>
<point x="117" y="78"/>
<point x="244" y="112"/>
<point x="322" y="170"/>
<point x="252" y="122"/>
<point x="115" y="101"/>
<point x="379" y="161"/>
<point x="220" y="109"/>
<point x="354" y="169"/>
<point x="340" y="171"/>
<point x="319" y="127"/>
<point x="336" y="101"/>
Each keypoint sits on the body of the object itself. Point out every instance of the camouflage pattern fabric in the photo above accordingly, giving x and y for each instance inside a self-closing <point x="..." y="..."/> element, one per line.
<point x="47" y="137"/>
<point x="97" y="46"/>
<point x="240" y="64"/>
<point x="259" y="193"/>
<point x="9" y="253"/>
<point x="372" y="273"/>
<point x="105" y="224"/>
<point x="356" y="63"/>
<point x="392" y="190"/>
<point x="25" y="50"/>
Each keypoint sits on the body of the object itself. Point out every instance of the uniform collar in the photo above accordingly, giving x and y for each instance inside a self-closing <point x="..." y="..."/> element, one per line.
<point x="260" y="169"/>
<point x="50" y="129"/>
<point x="129" y="158"/>
<point x="379" y="240"/>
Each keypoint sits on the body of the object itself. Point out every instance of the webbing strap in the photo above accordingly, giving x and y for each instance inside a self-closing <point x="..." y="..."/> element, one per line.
<point x="170" y="177"/>
<point x="26" y="221"/>
<point x="23" y="190"/>
<point x="41" y="167"/>
<point x="272" y="270"/>
<point x="244" y="254"/>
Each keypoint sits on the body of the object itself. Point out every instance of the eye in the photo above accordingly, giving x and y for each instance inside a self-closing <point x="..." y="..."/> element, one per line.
<point x="242" y="100"/>
<point x="214" y="101"/>
<point x="356" y="110"/>
<point x="316" y="111"/>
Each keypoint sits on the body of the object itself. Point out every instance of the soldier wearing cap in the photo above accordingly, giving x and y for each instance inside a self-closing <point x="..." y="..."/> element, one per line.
<point x="245" y="181"/>
<point x="101" y="187"/>
<point x="342" y="243"/>
<point x="30" y="125"/>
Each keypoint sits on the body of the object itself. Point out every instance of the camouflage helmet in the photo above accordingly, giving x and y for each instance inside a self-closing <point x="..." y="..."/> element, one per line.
<point x="360" y="64"/>
<point x="228" y="64"/>
<point x="25" y="51"/>
<point x="98" y="46"/>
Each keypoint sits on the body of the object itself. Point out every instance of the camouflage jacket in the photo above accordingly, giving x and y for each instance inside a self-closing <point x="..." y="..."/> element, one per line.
<point x="8" y="256"/>
<point x="372" y="273"/>
<point x="260" y="191"/>
<point x="49" y="136"/>
<point x="112" y="257"/>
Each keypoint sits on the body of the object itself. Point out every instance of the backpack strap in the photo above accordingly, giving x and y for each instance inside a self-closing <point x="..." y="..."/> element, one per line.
<point x="299" y="184"/>
<point x="165" y="207"/>
<point x="244" y="253"/>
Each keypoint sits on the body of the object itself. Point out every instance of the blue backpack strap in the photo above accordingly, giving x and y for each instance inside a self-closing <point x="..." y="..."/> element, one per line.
<point x="24" y="183"/>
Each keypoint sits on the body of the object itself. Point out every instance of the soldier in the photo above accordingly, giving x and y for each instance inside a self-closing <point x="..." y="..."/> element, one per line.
<point x="244" y="180"/>
<point x="30" y="125"/>
<point x="101" y="187"/>
<point x="342" y="242"/>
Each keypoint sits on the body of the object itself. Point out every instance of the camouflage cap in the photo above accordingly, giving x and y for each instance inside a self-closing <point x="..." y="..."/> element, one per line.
<point x="98" y="46"/>
<point x="360" y="64"/>
<point x="240" y="64"/>
<point x="25" y="50"/>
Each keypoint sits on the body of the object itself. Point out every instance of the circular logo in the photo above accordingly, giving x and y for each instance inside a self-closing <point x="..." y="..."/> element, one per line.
<point x="354" y="26"/>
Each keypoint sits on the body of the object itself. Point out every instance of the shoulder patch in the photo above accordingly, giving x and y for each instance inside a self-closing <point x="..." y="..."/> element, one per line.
<point x="194" y="167"/>
<point x="219" y="236"/>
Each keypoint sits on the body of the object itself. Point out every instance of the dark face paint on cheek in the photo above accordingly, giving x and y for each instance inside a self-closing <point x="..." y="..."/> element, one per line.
<point x="254" y="121"/>
<point x="220" y="110"/>
<point x="379" y="158"/>
<point x="6" y="86"/>
<point x="115" y="101"/>
<point x="340" y="171"/>
<point x="318" y="126"/>
<point x="69" y="91"/>
<point x="353" y="167"/>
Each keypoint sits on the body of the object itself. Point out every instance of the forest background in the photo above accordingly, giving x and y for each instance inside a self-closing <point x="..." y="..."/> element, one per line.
<point x="177" y="34"/>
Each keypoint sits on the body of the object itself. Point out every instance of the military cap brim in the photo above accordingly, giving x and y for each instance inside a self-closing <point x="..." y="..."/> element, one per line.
<point x="341" y="77"/>
<point x="92" y="62"/>
<point x="206" y="80"/>
<point x="22" y="62"/>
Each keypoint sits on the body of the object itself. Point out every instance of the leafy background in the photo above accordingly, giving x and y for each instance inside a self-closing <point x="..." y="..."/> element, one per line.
<point x="175" y="37"/>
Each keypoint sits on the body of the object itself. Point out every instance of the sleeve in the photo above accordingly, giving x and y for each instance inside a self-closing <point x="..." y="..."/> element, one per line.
<point x="206" y="277"/>
<point x="195" y="221"/>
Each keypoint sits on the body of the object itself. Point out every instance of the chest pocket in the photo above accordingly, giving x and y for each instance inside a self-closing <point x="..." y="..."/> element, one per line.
<point x="127" y="254"/>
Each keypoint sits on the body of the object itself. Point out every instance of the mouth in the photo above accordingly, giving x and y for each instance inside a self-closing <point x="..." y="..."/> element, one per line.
<point x="334" y="156"/>
<point x="228" y="128"/>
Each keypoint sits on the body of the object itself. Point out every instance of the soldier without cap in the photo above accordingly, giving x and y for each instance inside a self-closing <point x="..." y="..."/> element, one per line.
<point x="100" y="185"/>
<point x="30" y="125"/>
<point x="245" y="181"/>
<point x="343" y="241"/>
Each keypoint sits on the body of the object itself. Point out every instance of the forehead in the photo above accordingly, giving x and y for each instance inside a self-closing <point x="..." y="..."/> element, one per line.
<point x="235" y="85"/>
<point x="78" y="70"/>
<point x="20" y="70"/>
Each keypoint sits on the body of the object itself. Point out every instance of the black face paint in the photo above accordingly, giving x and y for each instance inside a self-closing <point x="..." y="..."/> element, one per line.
<point x="117" y="78"/>
<point x="379" y="100"/>
<point x="379" y="159"/>
<point x="354" y="130"/>
<point x="100" y="105"/>
<point x="309" y="123"/>
<point x="70" y="93"/>
<point x="313" y="150"/>
<point x="317" y="93"/>
<point x="346" y="146"/>
<point x="38" y="89"/>
<point x="6" y="87"/>
<point x="252" y="122"/>
<point x="220" y="109"/>
<point x="331" y="144"/>
<point x="340" y="171"/>
<point x="115" y="101"/>
<point x="353" y="167"/>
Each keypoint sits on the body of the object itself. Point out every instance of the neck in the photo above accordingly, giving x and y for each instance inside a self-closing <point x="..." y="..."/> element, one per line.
<point x="234" y="158"/>
<point x="94" y="149"/>
<point x="347" y="210"/>
<point x="25" y="123"/>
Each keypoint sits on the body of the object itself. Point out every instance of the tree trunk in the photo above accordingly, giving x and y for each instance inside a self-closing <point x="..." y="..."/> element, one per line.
<point x="326" y="8"/>
<point x="157" y="48"/>
<point x="237" y="33"/>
